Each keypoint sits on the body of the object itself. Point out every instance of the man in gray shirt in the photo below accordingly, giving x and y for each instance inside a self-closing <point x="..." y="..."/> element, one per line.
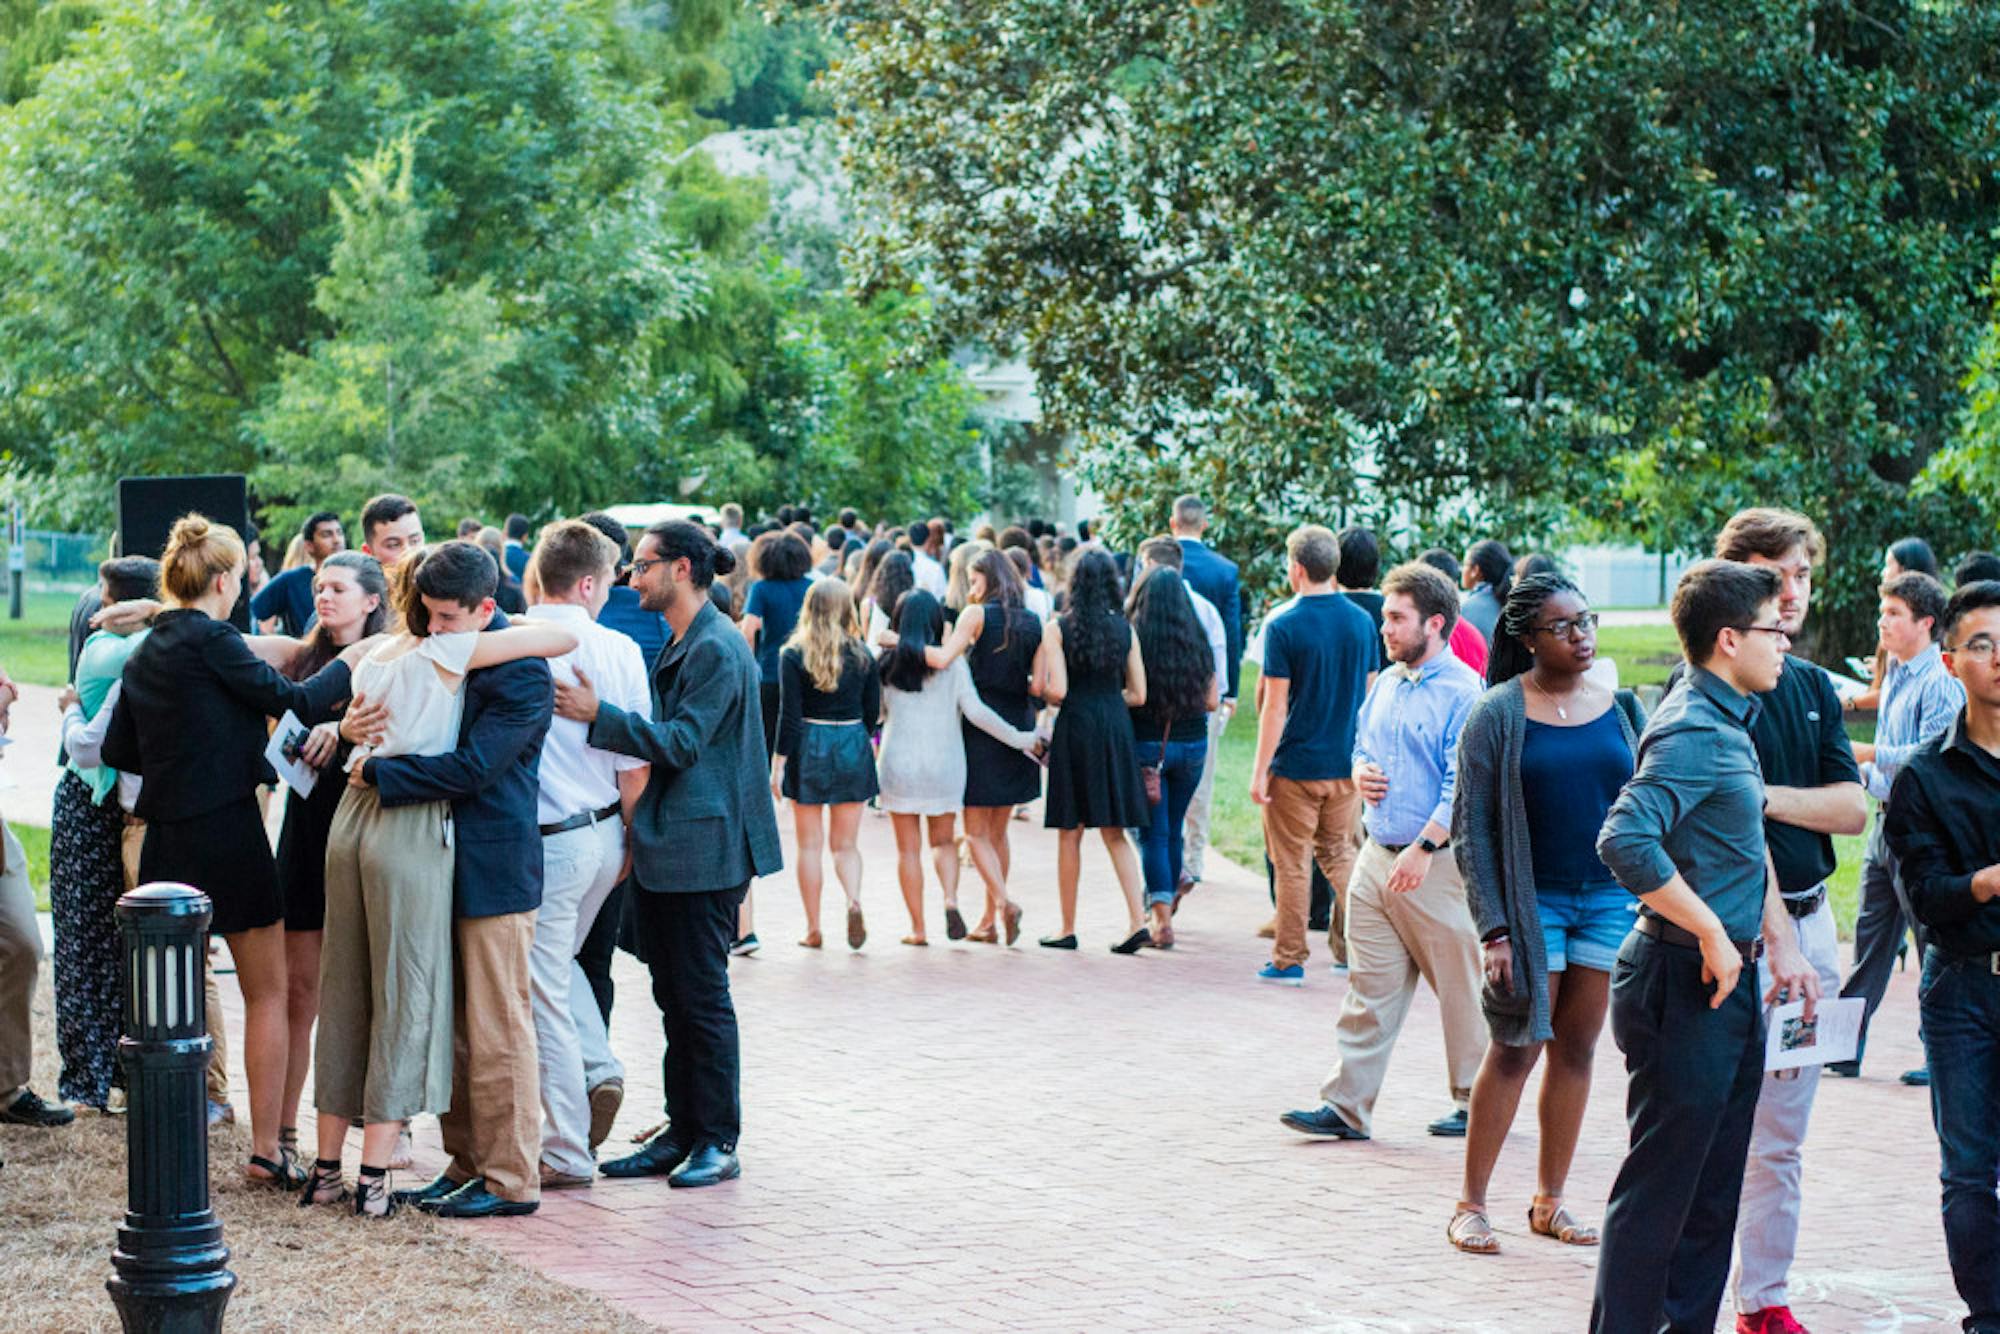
<point x="1687" y="838"/>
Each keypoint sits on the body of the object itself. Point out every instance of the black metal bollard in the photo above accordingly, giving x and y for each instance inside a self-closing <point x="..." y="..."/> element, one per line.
<point x="172" y="1268"/>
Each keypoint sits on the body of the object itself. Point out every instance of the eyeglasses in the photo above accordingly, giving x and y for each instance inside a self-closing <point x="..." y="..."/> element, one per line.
<point x="1571" y="627"/>
<point x="1976" y="650"/>
<point x="1775" y="630"/>
<point x="639" y="567"/>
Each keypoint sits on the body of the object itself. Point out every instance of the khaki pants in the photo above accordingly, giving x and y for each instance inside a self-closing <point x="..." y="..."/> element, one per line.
<point x="20" y="961"/>
<point x="494" y="1126"/>
<point x="1306" y="821"/>
<point x="129" y="844"/>
<point x="1392" y="940"/>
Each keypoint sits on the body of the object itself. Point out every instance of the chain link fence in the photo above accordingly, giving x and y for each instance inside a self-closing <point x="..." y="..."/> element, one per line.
<point x="62" y="562"/>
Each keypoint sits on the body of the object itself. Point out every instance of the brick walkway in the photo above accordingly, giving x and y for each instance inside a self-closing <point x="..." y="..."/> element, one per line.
<point x="967" y="1137"/>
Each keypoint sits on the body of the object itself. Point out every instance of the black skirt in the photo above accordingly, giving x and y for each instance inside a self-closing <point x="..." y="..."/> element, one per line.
<point x="302" y="850"/>
<point x="1094" y="778"/>
<point x="834" y="765"/>
<point x="224" y="854"/>
<point x="996" y="774"/>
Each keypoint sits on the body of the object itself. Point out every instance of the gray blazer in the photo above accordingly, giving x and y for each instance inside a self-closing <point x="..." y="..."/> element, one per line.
<point x="1489" y="837"/>
<point x="705" y="820"/>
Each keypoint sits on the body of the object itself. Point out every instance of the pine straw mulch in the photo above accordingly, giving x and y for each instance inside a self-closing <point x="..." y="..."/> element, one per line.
<point x="62" y="1199"/>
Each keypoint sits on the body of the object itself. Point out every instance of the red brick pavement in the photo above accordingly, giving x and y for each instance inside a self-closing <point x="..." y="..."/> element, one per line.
<point x="968" y="1138"/>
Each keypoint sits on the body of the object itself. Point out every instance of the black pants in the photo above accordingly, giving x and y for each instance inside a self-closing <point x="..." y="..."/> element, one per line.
<point x="1878" y="933"/>
<point x="767" y="701"/>
<point x="1319" y="914"/>
<point x="1695" y="1073"/>
<point x="684" y="939"/>
<point x="599" y="947"/>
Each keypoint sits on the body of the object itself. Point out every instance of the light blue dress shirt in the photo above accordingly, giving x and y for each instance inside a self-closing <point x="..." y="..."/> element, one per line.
<point x="1919" y="700"/>
<point x="1409" y="727"/>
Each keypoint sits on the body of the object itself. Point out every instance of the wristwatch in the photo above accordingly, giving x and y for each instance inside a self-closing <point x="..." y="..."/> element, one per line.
<point x="1429" y="846"/>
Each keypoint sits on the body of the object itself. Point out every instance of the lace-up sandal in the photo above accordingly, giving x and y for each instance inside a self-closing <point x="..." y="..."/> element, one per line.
<point x="284" y="1174"/>
<point x="1471" y="1231"/>
<point x="372" y="1196"/>
<point x="1551" y="1218"/>
<point x="323" y="1184"/>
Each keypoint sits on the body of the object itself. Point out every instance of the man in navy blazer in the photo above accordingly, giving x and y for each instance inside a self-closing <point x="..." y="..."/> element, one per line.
<point x="702" y="830"/>
<point x="493" y="1130"/>
<point x="1213" y="575"/>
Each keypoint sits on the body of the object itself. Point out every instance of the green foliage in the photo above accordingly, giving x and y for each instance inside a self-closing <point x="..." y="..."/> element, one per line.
<point x="1456" y="266"/>
<point x="32" y="34"/>
<point x="770" y="69"/>
<point x="1971" y="464"/>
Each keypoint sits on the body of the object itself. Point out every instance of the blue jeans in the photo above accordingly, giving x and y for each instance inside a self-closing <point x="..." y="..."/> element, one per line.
<point x="1958" y="1006"/>
<point x="1160" y="842"/>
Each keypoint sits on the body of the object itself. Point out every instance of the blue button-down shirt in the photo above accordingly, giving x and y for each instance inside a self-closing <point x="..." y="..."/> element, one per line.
<point x="1919" y="700"/>
<point x="1409" y="727"/>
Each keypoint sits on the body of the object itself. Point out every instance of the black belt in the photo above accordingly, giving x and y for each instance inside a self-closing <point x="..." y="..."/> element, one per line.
<point x="1395" y="849"/>
<point x="580" y="821"/>
<point x="1987" y="962"/>
<point x="1659" y="928"/>
<point x="1805" y="905"/>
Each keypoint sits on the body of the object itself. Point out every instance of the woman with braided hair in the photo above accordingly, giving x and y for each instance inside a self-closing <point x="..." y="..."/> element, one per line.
<point x="1542" y="757"/>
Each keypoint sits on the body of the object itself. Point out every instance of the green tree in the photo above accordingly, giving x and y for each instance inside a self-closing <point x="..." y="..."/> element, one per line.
<point x="1971" y="464"/>
<point x="1456" y="266"/>
<point x="408" y="393"/>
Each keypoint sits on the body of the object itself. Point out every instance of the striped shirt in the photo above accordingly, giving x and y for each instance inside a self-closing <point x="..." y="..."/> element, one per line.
<point x="1919" y="700"/>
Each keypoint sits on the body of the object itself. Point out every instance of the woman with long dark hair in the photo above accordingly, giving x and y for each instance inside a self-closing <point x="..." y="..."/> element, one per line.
<point x="351" y="600"/>
<point x="829" y="701"/>
<point x="1002" y="643"/>
<point x="1542" y="757"/>
<point x="923" y="755"/>
<point x="771" y="610"/>
<point x="1170" y="730"/>
<point x="895" y="574"/>
<point x="1091" y="667"/>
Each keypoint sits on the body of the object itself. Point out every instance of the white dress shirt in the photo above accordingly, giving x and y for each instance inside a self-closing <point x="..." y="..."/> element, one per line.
<point x="929" y="573"/>
<point x="575" y="775"/>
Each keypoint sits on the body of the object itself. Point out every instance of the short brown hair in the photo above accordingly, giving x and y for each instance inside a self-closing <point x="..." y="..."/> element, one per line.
<point x="569" y="552"/>
<point x="1768" y="532"/>
<point x="1315" y="551"/>
<point x="1715" y="595"/>
<point x="1164" y="551"/>
<point x="1923" y="595"/>
<point x="1429" y="590"/>
<point x="198" y="549"/>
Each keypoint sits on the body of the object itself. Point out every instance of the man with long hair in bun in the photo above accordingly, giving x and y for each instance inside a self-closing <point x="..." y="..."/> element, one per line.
<point x="703" y="829"/>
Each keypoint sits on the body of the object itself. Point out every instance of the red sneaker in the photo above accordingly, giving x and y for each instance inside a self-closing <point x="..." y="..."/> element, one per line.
<point x="1770" y="1320"/>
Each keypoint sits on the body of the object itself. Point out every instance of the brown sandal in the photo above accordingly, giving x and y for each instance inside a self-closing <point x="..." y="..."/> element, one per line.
<point x="984" y="936"/>
<point x="1559" y="1223"/>
<point x="1472" y="1232"/>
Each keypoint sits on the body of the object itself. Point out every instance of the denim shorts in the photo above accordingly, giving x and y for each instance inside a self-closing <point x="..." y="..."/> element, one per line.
<point x="1585" y="926"/>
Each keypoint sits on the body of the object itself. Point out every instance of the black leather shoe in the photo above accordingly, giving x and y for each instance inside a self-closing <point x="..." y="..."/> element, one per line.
<point x="434" y="1190"/>
<point x="1449" y="1127"/>
<point x="709" y="1165"/>
<point x="29" y="1110"/>
<point x="1919" y="1078"/>
<point x="1844" y="1069"/>
<point x="1321" y="1120"/>
<point x="475" y="1201"/>
<point x="656" y="1157"/>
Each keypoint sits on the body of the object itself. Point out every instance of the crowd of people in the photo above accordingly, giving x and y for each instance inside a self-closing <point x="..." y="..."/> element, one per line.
<point x="528" y="757"/>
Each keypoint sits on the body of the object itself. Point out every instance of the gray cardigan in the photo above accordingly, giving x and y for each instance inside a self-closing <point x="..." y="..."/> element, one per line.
<point x="1489" y="837"/>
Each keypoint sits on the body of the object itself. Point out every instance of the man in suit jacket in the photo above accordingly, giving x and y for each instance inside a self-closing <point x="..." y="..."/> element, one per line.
<point x="493" y="1130"/>
<point x="703" y="829"/>
<point x="1213" y="575"/>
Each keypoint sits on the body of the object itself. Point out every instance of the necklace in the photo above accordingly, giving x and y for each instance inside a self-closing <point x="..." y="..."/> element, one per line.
<point x="1582" y="690"/>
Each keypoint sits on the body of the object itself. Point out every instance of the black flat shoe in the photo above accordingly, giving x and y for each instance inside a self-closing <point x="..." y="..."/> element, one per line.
<point x="1058" y="942"/>
<point x="954" y="924"/>
<point x="1133" y="943"/>
<point x="434" y="1190"/>
<point x="29" y="1110"/>
<point x="656" y="1158"/>
<point x="709" y="1165"/>
<point x="475" y="1201"/>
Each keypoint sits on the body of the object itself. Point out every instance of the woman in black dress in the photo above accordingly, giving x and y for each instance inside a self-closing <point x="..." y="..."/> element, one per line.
<point x="1002" y="640"/>
<point x="350" y="598"/>
<point x="829" y="700"/>
<point x="190" y="721"/>
<point x="1092" y="669"/>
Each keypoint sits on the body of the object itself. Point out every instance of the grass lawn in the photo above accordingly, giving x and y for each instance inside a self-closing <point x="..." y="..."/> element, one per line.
<point x="1239" y="829"/>
<point x="35" y="649"/>
<point x="35" y="842"/>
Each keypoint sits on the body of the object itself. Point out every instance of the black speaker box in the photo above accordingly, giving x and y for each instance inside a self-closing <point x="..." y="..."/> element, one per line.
<point x="148" y="506"/>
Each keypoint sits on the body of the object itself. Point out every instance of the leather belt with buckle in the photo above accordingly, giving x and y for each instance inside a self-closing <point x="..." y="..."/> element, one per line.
<point x="1808" y="903"/>
<point x="580" y="820"/>
<point x="1660" y="929"/>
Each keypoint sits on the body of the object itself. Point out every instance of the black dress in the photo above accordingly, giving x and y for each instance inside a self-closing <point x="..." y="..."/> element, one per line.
<point x="302" y="849"/>
<point x="1002" y="660"/>
<point x="1094" y="778"/>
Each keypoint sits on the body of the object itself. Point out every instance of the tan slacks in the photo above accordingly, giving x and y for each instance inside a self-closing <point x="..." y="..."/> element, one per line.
<point x="1307" y="821"/>
<point x="130" y="841"/>
<point x="1392" y="940"/>
<point x="493" y="1128"/>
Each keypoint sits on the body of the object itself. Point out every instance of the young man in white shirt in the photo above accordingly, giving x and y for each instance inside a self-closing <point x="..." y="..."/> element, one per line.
<point x="586" y="802"/>
<point x="925" y="540"/>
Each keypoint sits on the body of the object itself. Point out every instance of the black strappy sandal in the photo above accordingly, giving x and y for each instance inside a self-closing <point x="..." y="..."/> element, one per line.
<point x="320" y="1180"/>
<point x="370" y="1191"/>
<point x="284" y="1174"/>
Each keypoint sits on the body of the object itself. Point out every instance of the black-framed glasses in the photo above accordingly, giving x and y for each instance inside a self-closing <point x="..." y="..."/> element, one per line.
<point x="639" y="567"/>
<point x="1570" y="627"/>
<point x="1977" y="649"/>
<point x="1780" y="631"/>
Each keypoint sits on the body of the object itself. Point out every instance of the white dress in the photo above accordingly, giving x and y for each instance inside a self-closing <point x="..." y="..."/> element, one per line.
<point x="922" y="760"/>
<point x="423" y="712"/>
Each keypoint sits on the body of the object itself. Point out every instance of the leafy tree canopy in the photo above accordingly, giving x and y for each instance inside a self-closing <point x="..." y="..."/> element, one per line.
<point x="1451" y="267"/>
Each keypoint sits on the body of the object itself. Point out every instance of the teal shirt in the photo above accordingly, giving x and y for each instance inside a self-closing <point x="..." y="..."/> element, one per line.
<point x="101" y="663"/>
